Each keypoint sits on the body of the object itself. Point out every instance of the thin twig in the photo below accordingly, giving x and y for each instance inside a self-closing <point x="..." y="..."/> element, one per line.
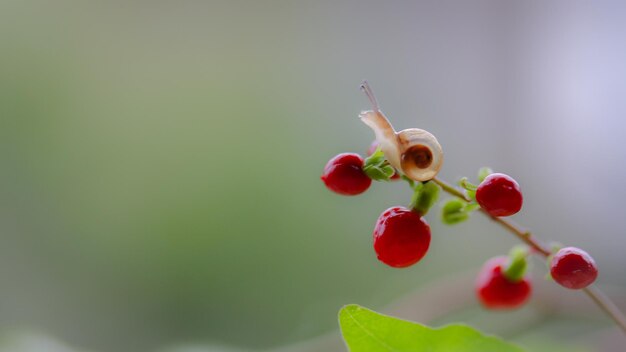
<point x="523" y="235"/>
<point x="607" y="305"/>
<point x="592" y="291"/>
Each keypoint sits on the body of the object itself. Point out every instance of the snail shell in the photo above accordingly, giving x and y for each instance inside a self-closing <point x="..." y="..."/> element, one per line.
<point x="421" y="155"/>
<point x="414" y="152"/>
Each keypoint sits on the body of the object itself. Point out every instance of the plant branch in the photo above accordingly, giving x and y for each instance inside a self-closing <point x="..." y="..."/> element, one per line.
<point x="525" y="236"/>
<point x="607" y="305"/>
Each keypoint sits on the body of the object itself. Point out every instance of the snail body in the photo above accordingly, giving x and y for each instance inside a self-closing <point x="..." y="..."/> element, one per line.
<point x="413" y="151"/>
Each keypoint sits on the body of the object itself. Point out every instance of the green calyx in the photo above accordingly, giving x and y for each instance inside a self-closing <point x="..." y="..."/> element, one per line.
<point x="483" y="173"/>
<point x="470" y="188"/>
<point x="377" y="167"/>
<point x="425" y="195"/>
<point x="517" y="264"/>
<point x="453" y="212"/>
<point x="456" y="210"/>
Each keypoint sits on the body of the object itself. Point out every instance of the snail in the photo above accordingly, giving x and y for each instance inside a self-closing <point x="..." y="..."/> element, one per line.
<point x="414" y="152"/>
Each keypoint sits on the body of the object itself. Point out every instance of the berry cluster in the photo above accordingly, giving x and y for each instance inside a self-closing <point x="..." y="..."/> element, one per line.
<point x="402" y="236"/>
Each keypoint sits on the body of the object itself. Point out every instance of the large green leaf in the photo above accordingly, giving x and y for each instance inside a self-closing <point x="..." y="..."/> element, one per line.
<point x="367" y="331"/>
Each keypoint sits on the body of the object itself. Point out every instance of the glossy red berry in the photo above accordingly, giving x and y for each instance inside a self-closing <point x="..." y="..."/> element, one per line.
<point x="499" y="195"/>
<point x="573" y="268"/>
<point x="496" y="291"/>
<point x="344" y="174"/>
<point x="372" y="149"/>
<point x="401" y="237"/>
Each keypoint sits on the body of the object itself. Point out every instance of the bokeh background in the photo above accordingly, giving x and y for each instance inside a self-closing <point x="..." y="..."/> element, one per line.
<point x="160" y="163"/>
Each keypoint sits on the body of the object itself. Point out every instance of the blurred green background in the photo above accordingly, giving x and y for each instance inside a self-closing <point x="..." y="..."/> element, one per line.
<point x="160" y="162"/>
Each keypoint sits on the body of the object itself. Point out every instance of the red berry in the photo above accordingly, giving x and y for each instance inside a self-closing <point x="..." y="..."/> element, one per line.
<point x="573" y="268"/>
<point x="344" y="174"/>
<point x="371" y="151"/>
<point x="499" y="195"/>
<point x="496" y="291"/>
<point x="401" y="237"/>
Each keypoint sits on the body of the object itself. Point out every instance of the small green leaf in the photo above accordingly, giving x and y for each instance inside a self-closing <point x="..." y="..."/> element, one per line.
<point x="364" y="330"/>
<point x="453" y="205"/>
<point x="451" y="219"/>
<point x="483" y="173"/>
<point x="388" y="170"/>
<point x="376" y="158"/>
<point x="453" y="212"/>
<point x="424" y="197"/>
<point x="469" y="207"/>
<point x="377" y="168"/>
<point x="379" y="173"/>
<point x="464" y="182"/>
<point x="470" y="188"/>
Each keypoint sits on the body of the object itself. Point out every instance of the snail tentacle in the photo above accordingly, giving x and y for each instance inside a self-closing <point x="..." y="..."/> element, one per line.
<point x="414" y="152"/>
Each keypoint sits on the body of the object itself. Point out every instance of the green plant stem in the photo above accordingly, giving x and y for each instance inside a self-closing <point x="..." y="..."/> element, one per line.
<point x="525" y="236"/>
